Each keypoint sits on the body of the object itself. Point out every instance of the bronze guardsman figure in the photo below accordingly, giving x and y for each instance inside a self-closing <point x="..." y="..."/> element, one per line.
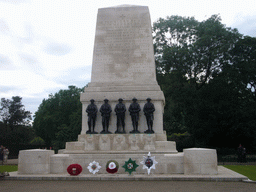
<point x="120" y="110"/>
<point x="92" y="114"/>
<point x="134" y="110"/>
<point x="105" y="110"/>
<point x="148" y="110"/>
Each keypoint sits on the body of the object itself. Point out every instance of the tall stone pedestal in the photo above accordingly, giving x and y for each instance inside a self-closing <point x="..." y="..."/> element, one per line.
<point x="123" y="66"/>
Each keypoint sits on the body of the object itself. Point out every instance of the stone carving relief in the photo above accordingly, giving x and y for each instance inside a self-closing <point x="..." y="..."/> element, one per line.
<point x="89" y="143"/>
<point x="149" y="142"/>
<point x="133" y="142"/>
<point x="104" y="143"/>
<point x="119" y="143"/>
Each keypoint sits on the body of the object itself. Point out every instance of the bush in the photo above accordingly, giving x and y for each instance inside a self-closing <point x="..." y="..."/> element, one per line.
<point x="183" y="140"/>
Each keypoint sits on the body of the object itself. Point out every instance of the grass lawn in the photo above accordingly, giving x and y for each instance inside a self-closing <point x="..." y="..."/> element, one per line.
<point x="247" y="170"/>
<point x="8" y="168"/>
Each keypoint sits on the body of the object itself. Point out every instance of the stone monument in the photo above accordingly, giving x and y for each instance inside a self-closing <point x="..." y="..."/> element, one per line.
<point x="123" y="68"/>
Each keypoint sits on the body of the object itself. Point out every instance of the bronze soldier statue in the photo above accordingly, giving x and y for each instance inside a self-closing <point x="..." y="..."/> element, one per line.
<point x="148" y="110"/>
<point x="92" y="114"/>
<point x="105" y="110"/>
<point x="134" y="110"/>
<point x="120" y="110"/>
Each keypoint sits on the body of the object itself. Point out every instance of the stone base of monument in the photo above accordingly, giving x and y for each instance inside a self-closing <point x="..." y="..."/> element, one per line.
<point x="120" y="147"/>
<point x="167" y="164"/>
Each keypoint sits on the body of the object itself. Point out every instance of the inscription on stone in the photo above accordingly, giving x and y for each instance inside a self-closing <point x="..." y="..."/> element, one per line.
<point x="123" y="50"/>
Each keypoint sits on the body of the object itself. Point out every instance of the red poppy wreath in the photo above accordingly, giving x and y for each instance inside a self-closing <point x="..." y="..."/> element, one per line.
<point x="74" y="169"/>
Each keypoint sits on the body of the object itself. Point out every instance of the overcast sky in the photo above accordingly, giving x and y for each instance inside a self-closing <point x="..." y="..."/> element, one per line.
<point x="47" y="45"/>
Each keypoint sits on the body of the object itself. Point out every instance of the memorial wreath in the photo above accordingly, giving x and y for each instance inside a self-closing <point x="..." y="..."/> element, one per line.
<point x="74" y="169"/>
<point x="112" y="166"/>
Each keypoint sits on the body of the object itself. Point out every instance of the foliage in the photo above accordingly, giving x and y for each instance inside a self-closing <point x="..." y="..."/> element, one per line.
<point x="37" y="141"/>
<point x="13" y="112"/>
<point x="183" y="140"/>
<point x="63" y="134"/>
<point x="198" y="50"/>
<point x="179" y="96"/>
<point x="207" y="73"/>
<point x="58" y="118"/>
<point x="246" y="170"/>
<point x="244" y="64"/>
<point x="15" y="126"/>
<point x="16" y="135"/>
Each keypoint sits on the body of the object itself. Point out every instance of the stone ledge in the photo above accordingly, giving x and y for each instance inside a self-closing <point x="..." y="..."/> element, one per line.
<point x="223" y="175"/>
<point x="120" y="143"/>
<point x="119" y="152"/>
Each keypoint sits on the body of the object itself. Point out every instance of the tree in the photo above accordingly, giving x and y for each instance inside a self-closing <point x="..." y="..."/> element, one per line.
<point x="61" y="113"/>
<point x="15" y="126"/>
<point x="13" y="112"/>
<point x="243" y="64"/>
<point x="179" y="98"/>
<point x="198" y="50"/>
<point x="207" y="73"/>
<point x="217" y="117"/>
<point x="242" y="73"/>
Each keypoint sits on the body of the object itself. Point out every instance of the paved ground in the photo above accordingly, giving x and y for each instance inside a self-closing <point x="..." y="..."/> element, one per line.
<point x="224" y="174"/>
<point x="123" y="186"/>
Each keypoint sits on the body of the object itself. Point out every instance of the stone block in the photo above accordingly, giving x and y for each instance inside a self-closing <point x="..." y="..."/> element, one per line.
<point x="74" y="146"/>
<point x="200" y="161"/>
<point x="35" y="161"/>
<point x="174" y="163"/>
<point x="59" y="163"/>
<point x="166" y="146"/>
<point x="161" y="137"/>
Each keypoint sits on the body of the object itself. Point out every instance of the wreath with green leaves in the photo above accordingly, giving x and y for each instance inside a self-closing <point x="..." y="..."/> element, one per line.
<point x="130" y="166"/>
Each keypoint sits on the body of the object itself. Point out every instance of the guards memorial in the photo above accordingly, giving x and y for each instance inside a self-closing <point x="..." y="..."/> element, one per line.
<point x="123" y="70"/>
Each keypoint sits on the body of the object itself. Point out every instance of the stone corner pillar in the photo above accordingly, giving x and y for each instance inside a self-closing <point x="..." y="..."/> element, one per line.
<point x="200" y="161"/>
<point x="34" y="161"/>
